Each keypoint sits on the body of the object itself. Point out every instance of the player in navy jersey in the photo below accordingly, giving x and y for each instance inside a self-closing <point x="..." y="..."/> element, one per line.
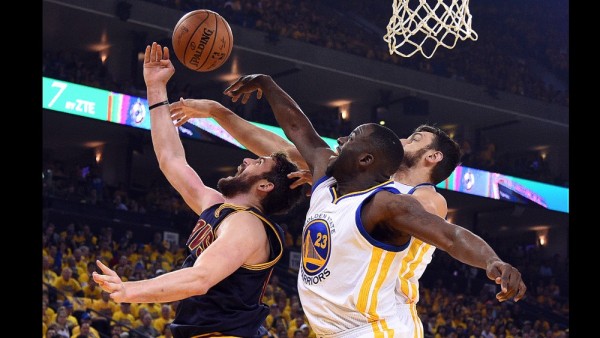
<point x="233" y="247"/>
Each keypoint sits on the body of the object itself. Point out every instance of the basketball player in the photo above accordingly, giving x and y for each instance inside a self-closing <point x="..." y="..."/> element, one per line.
<point x="359" y="228"/>
<point x="430" y="156"/>
<point x="233" y="247"/>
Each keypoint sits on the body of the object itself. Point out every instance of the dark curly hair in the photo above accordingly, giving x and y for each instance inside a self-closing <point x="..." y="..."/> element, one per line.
<point x="282" y="198"/>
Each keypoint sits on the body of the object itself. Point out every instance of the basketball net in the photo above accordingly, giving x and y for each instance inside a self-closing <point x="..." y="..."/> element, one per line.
<point x="425" y="28"/>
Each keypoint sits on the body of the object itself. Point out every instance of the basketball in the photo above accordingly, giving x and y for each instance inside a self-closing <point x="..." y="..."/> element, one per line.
<point x="202" y="40"/>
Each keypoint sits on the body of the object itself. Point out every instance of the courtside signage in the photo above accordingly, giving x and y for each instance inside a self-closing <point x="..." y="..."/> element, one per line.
<point x="100" y="104"/>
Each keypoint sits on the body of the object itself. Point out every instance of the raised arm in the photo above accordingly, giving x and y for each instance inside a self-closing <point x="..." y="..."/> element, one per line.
<point x="291" y="118"/>
<point x="158" y="69"/>
<point x="259" y="141"/>
<point x="404" y="214"/>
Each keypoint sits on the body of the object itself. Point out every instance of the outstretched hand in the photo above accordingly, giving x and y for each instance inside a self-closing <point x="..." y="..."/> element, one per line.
<point x="185" y="109"/>
<point x="302" y="177"/>
<point x="509" y="278"/>
<point x="158" y="68"/>
<point x="245" y="85"/>
<point x="110" y="282"/>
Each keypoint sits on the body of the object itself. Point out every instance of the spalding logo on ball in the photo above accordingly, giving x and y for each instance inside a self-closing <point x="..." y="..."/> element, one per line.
<point x="202" y="40"/>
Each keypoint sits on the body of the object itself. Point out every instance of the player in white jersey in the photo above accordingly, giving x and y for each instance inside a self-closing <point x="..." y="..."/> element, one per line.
<point x="419" y="255"/>
<point x="430" y="156"/>
<point x="386" y="221"/>
<point x="354" y="272"/>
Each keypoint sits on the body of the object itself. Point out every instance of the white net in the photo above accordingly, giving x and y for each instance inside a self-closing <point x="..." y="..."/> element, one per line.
<point x="417" y="26"/>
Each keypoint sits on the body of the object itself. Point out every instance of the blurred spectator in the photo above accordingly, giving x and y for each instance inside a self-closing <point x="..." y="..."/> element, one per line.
<point x="146" y="329"/>
<point x="166" y="317"/>
<point x="105" y="307"/>
<point x="166" y="333"/>
<point x="85" y="327"/>
<point x="124" y="316"/>
<point x="66" y="286"/>
<point x="61" y="324"/>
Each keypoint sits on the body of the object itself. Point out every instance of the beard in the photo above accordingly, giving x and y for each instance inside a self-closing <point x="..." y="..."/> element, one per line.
<point x="235" y="185"/>
<point x="411" y="159"/>
<point x="330" y="169"/>
<point x="333" y="166"/>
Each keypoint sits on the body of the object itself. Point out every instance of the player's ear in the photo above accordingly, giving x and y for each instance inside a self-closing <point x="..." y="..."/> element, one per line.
<point x="435" y="157"/>
<point x="265" y="186"/>
<point x="366" y="159"/>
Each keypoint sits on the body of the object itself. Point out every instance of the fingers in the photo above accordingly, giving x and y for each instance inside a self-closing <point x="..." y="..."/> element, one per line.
<point x="521" y="292"/>
<point x="166" y="53"/>
<point x="246" y="98"/>
<point x="511" y="285"/>
<point x="105" y="269"/>
<point x="296" y="184"/>
<point x="299" y="182"/>
<point x="234" y="86"/>
<point x="102" y="280"/>
<point x="181" y="121"/>
<point x="156" y="53"/>
<point x="147" y="54"/>
<point x="243" y="87"/>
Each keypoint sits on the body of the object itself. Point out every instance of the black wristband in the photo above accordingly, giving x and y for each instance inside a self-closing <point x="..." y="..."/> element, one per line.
<point x="158" y="104"/>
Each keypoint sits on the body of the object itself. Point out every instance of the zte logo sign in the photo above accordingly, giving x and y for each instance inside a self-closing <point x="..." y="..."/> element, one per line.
<point x="81" y="106"/>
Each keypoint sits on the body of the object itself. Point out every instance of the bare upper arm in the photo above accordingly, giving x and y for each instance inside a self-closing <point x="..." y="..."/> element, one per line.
<point x="190" y="186"/>
<point x="241" y="239"/>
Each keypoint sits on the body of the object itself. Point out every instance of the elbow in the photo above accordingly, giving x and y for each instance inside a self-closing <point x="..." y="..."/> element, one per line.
<point x="165" y="162"/>
<point x="199" y="284"/>
<point x="198" y="289"/>
<point x="454" y="242"/>
<point x="162" y="164"/>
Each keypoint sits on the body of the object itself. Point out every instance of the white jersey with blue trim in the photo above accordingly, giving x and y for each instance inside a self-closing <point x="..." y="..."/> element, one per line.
<point x="418" y="256"/>
<point x="416" y="260"/>
<point x="347" y="279"/>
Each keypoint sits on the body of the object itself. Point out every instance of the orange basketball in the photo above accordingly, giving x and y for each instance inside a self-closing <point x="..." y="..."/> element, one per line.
<point x="202" y="40"/>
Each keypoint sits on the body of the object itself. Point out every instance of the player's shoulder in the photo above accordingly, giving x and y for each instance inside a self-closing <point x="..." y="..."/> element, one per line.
<point x="428" y="191"/>
<point x="432" y="201"/>
<point x="248" y="216"/>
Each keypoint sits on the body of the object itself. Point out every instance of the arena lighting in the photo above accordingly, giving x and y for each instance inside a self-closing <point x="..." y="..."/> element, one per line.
<point x="132" y="111"/>
<point x="542" y="234"/>
<point x="99" y="151"/>
<point x="343" y="106"/>
<point x="235" y="73"/>
<point x="344" y="111"/>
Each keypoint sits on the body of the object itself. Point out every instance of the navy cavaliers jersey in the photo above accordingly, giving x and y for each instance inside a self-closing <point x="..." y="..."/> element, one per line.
<point x="233" y="307"/>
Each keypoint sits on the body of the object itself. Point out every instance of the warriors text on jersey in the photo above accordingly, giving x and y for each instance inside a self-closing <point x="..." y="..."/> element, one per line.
<point x="348" y="280"/>
<point x="234" y="306"/>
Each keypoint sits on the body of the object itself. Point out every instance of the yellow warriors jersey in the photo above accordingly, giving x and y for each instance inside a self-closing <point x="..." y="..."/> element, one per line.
<point x="418" y="256"/>
<point x="348" y="281"/>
